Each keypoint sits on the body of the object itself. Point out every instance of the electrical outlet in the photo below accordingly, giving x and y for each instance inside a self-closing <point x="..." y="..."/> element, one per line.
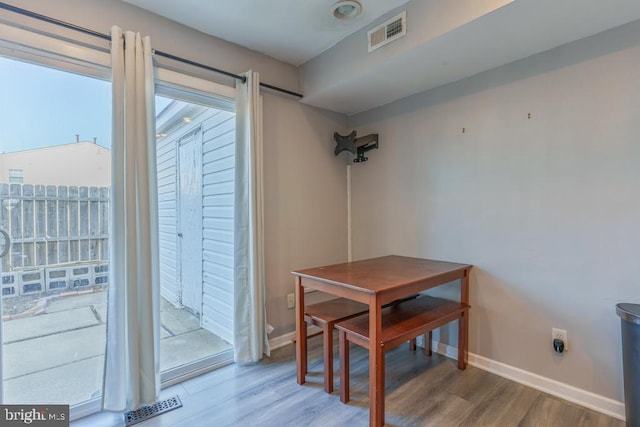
<point x="291" y="301"/>
<point x="560" y="334"/>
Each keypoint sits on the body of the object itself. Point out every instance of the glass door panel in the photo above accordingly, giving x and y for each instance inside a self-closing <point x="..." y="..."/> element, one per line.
<point x="55" y="167"/>
<point x="195" y="154"/>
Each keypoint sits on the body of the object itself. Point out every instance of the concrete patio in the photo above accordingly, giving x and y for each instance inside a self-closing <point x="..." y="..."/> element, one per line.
<point x="57" y="355"/>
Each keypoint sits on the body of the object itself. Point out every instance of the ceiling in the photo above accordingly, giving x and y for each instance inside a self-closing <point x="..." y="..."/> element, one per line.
<point x="447" y="40"/>
<point x="293" y="31"/>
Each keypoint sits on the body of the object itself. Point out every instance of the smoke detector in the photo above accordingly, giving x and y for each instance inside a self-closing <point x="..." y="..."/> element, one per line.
<point x="346" y="9"/>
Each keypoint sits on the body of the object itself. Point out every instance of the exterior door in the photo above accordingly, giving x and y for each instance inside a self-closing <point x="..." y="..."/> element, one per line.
<point x="190" y="219"/>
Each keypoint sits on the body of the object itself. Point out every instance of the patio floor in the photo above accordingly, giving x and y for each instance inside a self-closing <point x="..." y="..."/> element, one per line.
<point x="57" y="355"/>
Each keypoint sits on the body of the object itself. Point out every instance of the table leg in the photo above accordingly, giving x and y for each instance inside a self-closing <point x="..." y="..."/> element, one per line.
<point x="301" y="333"/>
<point x="463" y="323"/>
<point x="344" y="367"/>
<point x="376" y="364"/>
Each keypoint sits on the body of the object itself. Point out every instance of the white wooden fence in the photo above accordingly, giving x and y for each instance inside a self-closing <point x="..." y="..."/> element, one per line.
<point x="59" y="235"/>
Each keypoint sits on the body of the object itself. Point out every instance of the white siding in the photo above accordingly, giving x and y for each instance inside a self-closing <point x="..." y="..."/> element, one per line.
<point x="218" y="166"/>
<point x="166" y="155"/>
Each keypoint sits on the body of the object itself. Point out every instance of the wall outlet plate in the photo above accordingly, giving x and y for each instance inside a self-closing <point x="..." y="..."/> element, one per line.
<point x="291" y="300"/>
<point x="560" y="334"/>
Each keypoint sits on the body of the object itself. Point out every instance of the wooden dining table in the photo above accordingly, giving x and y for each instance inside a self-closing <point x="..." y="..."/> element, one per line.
<point x="376" y="282"/>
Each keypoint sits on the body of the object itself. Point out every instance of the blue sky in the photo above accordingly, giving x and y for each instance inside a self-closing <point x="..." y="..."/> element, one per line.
<point x="41" y="107"/>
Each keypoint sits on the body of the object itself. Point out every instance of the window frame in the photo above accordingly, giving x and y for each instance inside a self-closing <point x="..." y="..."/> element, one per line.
<point x="44" y="44"/>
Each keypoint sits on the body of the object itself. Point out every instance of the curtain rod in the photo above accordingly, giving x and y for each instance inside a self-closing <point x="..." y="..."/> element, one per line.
<point x="93" y="33"/>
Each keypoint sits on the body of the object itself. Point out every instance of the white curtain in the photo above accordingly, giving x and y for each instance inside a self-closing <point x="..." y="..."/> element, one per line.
<point x="132" y="367"/>
<point x="250" y="326"/>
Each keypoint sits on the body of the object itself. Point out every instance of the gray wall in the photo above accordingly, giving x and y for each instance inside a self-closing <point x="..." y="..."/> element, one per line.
<point x="305" y="199"/>
<point x="547" y="208"/>
<point x="305" y="190"/>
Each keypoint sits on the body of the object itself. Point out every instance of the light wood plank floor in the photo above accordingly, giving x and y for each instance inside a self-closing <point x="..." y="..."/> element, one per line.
<point x="420" y="391"/>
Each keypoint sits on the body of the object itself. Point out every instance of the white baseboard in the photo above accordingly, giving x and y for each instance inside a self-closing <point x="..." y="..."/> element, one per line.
<point x="289" y="338"/>
<point x="573" y="394"/>
<point x="567" y="392"/>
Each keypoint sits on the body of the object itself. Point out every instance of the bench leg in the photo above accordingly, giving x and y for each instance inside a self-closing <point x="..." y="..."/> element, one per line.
<point x="327" y="335"/>
<point x="303" y="358"/>
<point x="428" y="338"/>
<point x="344" y="367"/>
<point x="301" y="334"/>
<point x="412" y="344"/>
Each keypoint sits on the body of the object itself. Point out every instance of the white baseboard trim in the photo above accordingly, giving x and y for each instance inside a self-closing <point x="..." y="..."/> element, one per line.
<point x="289" y="338"/>
<point x="573" y="394"/>
<point x="567" y="392"/>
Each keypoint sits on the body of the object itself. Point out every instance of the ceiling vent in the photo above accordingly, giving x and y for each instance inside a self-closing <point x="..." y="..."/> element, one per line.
<point x="387" y="32"/>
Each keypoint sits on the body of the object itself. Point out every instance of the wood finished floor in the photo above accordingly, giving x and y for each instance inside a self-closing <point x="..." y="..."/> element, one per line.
<point x="420" y="391"/>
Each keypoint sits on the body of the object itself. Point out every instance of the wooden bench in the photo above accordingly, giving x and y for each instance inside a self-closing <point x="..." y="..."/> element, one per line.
<point x="325" y="315"/>
<point x="400" y="322"/>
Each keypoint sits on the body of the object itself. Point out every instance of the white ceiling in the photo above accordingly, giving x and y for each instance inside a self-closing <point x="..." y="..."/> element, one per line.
<point x="447" y="40"/>
<point x="456" y="39"/>
<point x="293" y="31"/>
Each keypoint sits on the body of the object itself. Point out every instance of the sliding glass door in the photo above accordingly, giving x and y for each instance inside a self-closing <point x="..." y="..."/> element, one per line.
<point x="196" y="156"/>
<point x="55" y="178"/>
<point x="55" y="174"/>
